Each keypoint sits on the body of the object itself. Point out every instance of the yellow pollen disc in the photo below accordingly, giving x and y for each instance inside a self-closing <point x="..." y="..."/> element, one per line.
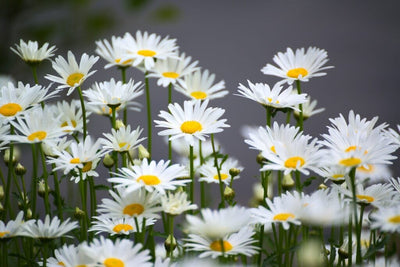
<point x="294" y="73"/>
<point x="350" y="162"/>
<point x="133" y="209"/>
<point x="216" y="246"/>
<point x="394" y="219"/>
<point x="147" y="53"/>
<point x="61" y="263"/>
<point x="149" y="179"/>
<point x="87" y="166"/>
<point x="283" y="216"/>
<point x="172" y="75"/>
<point x="369" y="199"/>
<point x="273" y="149"/>
<point x="2" y="234"/>
<point x="191" y="127"/>
<point x="40" y="135"/>
<point x="269" y="99"/>
<point x="74" y="78"/>
<point x="10" y="109"/>
<point x="81" y="265"/>
<point x="293" y="161"/>
<point x="122" y="144"/>
<point x="336" y="176"/>
<point x="199" y="94"/>
<point x="122" y="227"/>
<point x="367" y="170"/>
<point x="75" y="161"/>
<point x="113" y="262"/>
<point x="117" y="60"/>
<point x="350" y="148"/>
<point x="223" y="176"/>
<point x="65" y="123"/>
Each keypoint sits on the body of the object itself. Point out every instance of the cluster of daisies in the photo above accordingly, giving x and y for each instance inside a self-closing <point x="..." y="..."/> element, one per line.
<point x="139" y="222"/>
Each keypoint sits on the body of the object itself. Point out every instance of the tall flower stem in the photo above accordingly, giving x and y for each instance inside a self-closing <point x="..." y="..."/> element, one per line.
<point x="34" y="180"/>
<point x="191" y="170"/>
<point x="9" y="177"/>
<point x="93" y="201"/>
<point x="45" y="178"/>
<point x="149" y="125"/>
<point x="202" y="184"/>
<point x="83" y="112"/>
<point x="221" y="185"/>
<point x="169" y="141"/>
<point x="123" y="74"/>
<point x="58" y="193"/>
<point x="300" y="120"/>
<point x="352" y="176"/>
<point x="85" y="219"/>
<point x="114" y="126"/>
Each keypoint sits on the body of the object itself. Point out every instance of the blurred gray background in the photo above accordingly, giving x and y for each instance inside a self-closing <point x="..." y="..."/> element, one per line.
<point x="233" y="39"/>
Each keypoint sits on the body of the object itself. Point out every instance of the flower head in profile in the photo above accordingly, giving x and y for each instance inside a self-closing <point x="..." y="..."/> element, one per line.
<point x="69" y="255"/>
<point x="192" y="122"/>
<point x="72" y="75"/>
<point x="31" y="53"/>
<point x="299" y="65"/>
<point x="69" y="114"/>
<point x="386" y="219"/>
<point x="49" y="228"/>
<point x="119" y="225"/>
<point x="112" y="52"/>
<point x="176" y="203"/>
<point x="308" y="108"/>
<point x="209" y="172"/>
<point x="13" y="227"/>
<point x="122" y="140"/>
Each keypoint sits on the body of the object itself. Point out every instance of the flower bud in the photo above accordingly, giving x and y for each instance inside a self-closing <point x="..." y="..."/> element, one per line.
<point x="28" y="214"/>
<point x="260" y="159"/>
<point x="143" y="152"/>
<point x="42" y="188"/>
<point x="79" y="214"/>
<point x="234" y="172"/>
<point x="310" y="254"/>
<point x="119" y="124"/>
<point x="287" y="182"/>
<point x="170" y="244"/>
<point x="16" y="155"/>
<point x="322" y="187"/>
<point x="108" y="161"/>
<point x="20" y="169"/>
<point x="1" y="192"/>
<point x="229" y="193"/>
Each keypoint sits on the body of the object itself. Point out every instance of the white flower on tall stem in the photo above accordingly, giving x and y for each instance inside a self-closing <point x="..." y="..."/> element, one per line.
<point x="308" y="108"/>
<point x="49" y="228"/>
<point x="31" y="53"/>
<point x="193" y="122"/>
<point x="299" y="65"/>
<point x="122" y="140"/>
<point x="69" y="114"/>
<point x="119" y="225"/>
<point x="176" y="203"/>
<point x="373" y="173"/>
<point x="113" y="52"/>
<point x="12" y="228"/>
<point x="209" y="172"/>
<point x="386" y="219"/>
<point x="335" y="173"/>
<point x="72" y="75"/>
<point x="68" y="255"/>
<point x="200" y="86"/>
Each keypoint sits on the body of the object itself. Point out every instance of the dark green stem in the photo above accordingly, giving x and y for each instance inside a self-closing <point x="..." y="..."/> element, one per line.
<point x="45" y="178"/>
<point x="358" y="228"/>
<point x="149" y="124"/>
<point x="58" y="193"/>
<point x="300" y="120"/>
<point x="191" y="158"/>
<point x="83" y="112"/>
<point x="221" y="184"/>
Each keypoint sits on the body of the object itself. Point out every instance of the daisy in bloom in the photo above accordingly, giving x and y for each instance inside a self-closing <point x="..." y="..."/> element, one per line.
<point x="200" y="86"/>
<point x="83" y="158"/>
<point x="394" y="135"/>
<point x="395" y="183"/>
<point x="50" y="228"/>
<point x="112" y="52"/>
<point x="69" y="114"/>
<point x="373" y="173"/>
<point x="119" y="226"/>
<point x="5" y="79"/>
<point x="284" y="210"/>
<point x="176" y="203"/>
<point x="378" y="195"/>
<point x="172" y="70"/>
<point x="71" y="74"/>
<point x="4" y="131"/>
<point x="238" y="243"/>
<point x="152" y="176"/>
<point x="386" y="219"/>
<point x="217" y="224"/>
<point x="54" y="148"/>
<point x="277" y="97"/>
<point x="14" y="100"/>
<point x="104" y="252"/>
<point x="114" y="94"/>
<point x="122" y="140"/>
<point x="299" y="65"/>
<point x="192" y="122"/>
<point x="336" y="173"/>
<point x="69" y="256"/>
<point x="209" y="172"/>
<point x="146" y="48"/>
<point x="131" y="204"/>
<point x="31" y="53"/>
<point x="308" y="108"/>
<point x="13" y="227"/>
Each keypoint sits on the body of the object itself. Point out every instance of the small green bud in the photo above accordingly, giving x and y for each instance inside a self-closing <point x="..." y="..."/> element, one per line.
<point x="322" y="187"/>
<point x="28" y="214"/>
<point x="42" y="188"/>
<point x="16" y="155"/>
<point x="79" y="214"/>
<point x="1" y="192"/>
<point x="229" y="193"/>
<point x="143" y="152"/>
<point x="287" y="182"/>
<point x="119" y="124"/>
<point x="170" y="244"/>
<point x="20" y="169"/>
<point x="260" y="159"/>
<point x="108" y="161"/>
<point x="234" y="172"/>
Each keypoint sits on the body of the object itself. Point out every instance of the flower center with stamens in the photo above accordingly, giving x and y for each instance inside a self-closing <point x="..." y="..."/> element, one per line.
<point x="170" y="74"/>
<point x="273" y="149"/>
<point x="149" y="179"/>
<point x="283" y="216"/>
<point x="294" y="73"/>
<point x="223" y="176"/>
<point x="40" y="135"/>
<point x="191" y="127"/>
<point x="350" y="162"/>
<point x="10" y="109"/>
<point x="87" y="166"/>
<point x="122" y="227"/>
<point x="337" y="176"/>
<point x="113" y="262"/>
<point x="350" y="148"/>
<point x="146" y="53"/>
<point x="395" y="219"/>
<point x="65" y="124"/>
<point x="369" y="199"/>
<point x="293" y="162"/>
<point x="74" y="78"/>
<point x="198" y="94"/>
<point x="60" y="263"/>
<point x="75" y="161"/>
<point x="118" y="61"/>
<point x="366" y="170"/>
<point x="133" y="209"/>
<point x="216" y="246"/>
<point x="2" y="234"/>
<point x="123" y="144"/>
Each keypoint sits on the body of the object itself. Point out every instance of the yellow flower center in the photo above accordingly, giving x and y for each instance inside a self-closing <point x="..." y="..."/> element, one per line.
<point x="223" y="176"/>
<point x="294" y="161"/>
<point x="294" y="73"/>
<point x="10" y="109"/>
<point x="369" y="199"/>
<point x="198" y="94"/>
<point x="65" y="123"/>
<point x="122" y="227"/>
<point x="123" y="144"/>
<point x="74" y="78"/>
<point x="75" y="161"/>
<point x="283" y="216"/>
<point x="40" y="135"/>
<point x="133" y="209"/>
<point x="350" y="148"/>
<point x="216" y="246"/>
<point x="350" y="162"/>
<point x="337" y="176"/>
<point x="2" y="234"/>
<point x="87" y="166"/>
<point x="394" y="219"/>
<point x="60" y="263"/>
<point x="172" y="75"/>
<point x="113" y="262"/>
<point x="149" y="179"/>
<point x="118" y="60"/>
<point x="191" y="127"/>
<point x="366" y="170"/>
<point x="146" y="53"/>
<point x="273" y="149"/>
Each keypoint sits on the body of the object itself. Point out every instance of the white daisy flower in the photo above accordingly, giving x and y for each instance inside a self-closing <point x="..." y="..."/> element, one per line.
<point x="13" y="228"/>
<point x="300" y="65"/>
<point x="386" y="219"/>
<point x="50" y="228"/>
<point x="335" y="173"/>
<point x="152" y="176"/>
<point x="71" y="74"/>
<point x="394" y="135"/>
<point x="176" y="203"/>
<point x="395" y="183"/>
<point x="308" y="108"/>
<point x="192" y="122"/>
<point x="172" y="70"/>
<point x="209" y="172"/>
<point x="122" y="140"/>
<point x="31" y="53"/>
<point x="4" y="131"/>
<point x="69" y="114"/>
<point x="119" y="226"/>
<point x="121" y="253"/>
<point x="146" y="48"/>
<point x="54" y="148"/>
<point x="277" y="97"/>
<point x="373" y="173"/>
<point x="378" y="195"/>
<point x="238" y="243"/>
<point x="5" y="79"/>
<point x="200" y="86"/>
<point x="131" y="204"/>
<point x="112" y="52"/>
<point x="69" y="256"/>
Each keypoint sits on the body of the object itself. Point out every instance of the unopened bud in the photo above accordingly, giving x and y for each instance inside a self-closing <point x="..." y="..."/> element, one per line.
<point x="322" y="187"/>
<point x="260" y="159"/>
<point x="229" y="193"/>
<point x="16" y="155"/>
<point x="108" y="161"/>
<point x="143" y="152"/>
<point x="234" y="172"/>
<point x="20" y="169"/>
<point x="170" y="244"/>
<point x="79" y="214"/>
<point x="287" y="182"/>
<point x="23" y="201"/>
<point x="310" y="254"/>
<point x="28" y="214"/>
<point x="42" y="188"/>
<point x="344" y="249"/>
<point x="119" y="124"/>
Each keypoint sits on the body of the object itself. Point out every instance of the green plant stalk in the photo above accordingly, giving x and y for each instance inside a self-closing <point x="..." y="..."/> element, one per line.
<point x="149" y="124"/>
<point x="260" y="244"/>
<point x="45" y="178"/>
<point x="352" y="176"/>
<point x="93" y="202"/>
<point x="83" y="112"/>
<point x="34" y="180"/>
<point x="171" y="233"/>
<point x="114" y="126"/>
<point x="58" y="193"/>
<point x="85" y="220"/>
<point x="278" y="245"/>
<point x="123" y="74"/>
<point x="300" y="120"/>
<point x="191" y="173"/>
<point x="169" y="141"/>
<point x="221" y="184"/>
<point x="298" y="181"/>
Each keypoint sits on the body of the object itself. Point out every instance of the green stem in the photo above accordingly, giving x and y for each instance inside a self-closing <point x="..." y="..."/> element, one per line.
<point x="221" y="185"/>
<point x="261" y="244"/>
<point x="149" y="124"/>
<point x="191" y="158"/>
<point x="93" y="201"/>
<point x="171" y="233"/>
<point x="34" y="180"/>
<point x="58" y="193"/>
<point x="169" y="141"/>
<point x="45" y="178"/>
<point x="7" y="204"/>
<point x="288" y="116"/>
<point x="85" y="220"/>
<point x="268" y="115"/>
<point x="300" y="120"/>
<point x="123" y="74"/>
<point x="83" y="112"/>
<point x="352" y="176"/>
<point x="298" y="182"/>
